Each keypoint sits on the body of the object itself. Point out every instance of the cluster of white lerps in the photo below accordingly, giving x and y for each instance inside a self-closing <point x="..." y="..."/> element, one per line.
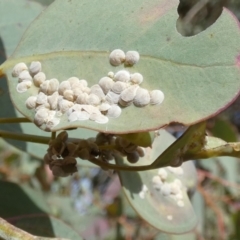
<point x="160" y="183"/>
<point x="79" y="101"/>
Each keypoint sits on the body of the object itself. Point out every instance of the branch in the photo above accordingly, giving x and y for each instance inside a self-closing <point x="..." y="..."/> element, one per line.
<point x="14" y="120"/>
<point x="215" y="147"/>
<point x="10" y="232"/>
<point x="24" y="137"/>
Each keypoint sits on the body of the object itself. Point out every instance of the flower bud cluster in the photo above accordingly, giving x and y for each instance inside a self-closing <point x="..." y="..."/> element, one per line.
<point x="63" y="151"/>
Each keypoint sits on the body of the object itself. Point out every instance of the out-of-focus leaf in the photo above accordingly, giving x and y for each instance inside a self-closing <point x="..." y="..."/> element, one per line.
<point x="45" y="226"/>
<point x="143" y="139"/>
<point x="187" y="236"/>
<point x="160" y="211"/>
<point x="27" y="209"/>
<point x="225" y="130"/>
<point x="19" y="200"/>
<point x="199" y="207"/>
<point x="43" y="2"/>
<point x="186" y="69"/>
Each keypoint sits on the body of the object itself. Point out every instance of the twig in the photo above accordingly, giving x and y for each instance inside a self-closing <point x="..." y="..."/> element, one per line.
<point x="14" y="120"/>
<point x="24" y="137"/>
<point x="218" y="179"/>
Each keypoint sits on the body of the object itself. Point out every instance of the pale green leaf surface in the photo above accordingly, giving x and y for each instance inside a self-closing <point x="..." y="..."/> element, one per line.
<point x="187" y="236"/>
<point x="74" y="38"/>
<point x="155" y="208"/>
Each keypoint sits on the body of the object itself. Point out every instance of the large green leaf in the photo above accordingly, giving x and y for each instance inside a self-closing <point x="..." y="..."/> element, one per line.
<point x="155" y="208"/>
<point x="74" y="38"/>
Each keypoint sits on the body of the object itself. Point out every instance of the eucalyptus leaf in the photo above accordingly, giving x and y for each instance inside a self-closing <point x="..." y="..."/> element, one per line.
<point x="142" y="139"/>
<point x="187" y="70"/>
<point x="162" y="212"/>
<point x="225" y="130"/>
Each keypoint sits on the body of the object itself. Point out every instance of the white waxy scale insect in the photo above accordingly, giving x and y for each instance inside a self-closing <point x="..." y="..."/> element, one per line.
<point x="163" y="174"/>
<point x="76" y="92"/>
<point x="156" y="180"/>
<point x="77" y="107"/>
<point x="23" y="86"/>
<point x="112" y="98"/>
<point x="31" y="102"/>
<point x="136" y="78"/>
<point x="68" y="94"/>
<point x="53" y="100"/>
<point x="24" y="76"/>
<point x="64" y="105"/>
<point x="156" y="97"/>
<point x="117" y="57"/>
<point x="106" y="84"/>
<point x="180" y="203"/>
<point x="63" y="86"/>
<point x="176" y="170"/>
<point x="78" y="115"/>
<point x="78" y="86"/>
<point x="18" y="68"/>
<point x="101" y="119"/>
<point x="175" y="189"/>
<point x="41" y="116"/>
<point x="73" y="81"/>
<point x="142" y="98"/>
<point x="94" y="116"/>
<point x="39" y="78"/>
<point x="53" y="86"/>
<point x="103" y="107"/>
<point x="91" y="109"/>
<point x="83" y="82"/>
<point x="157" y="183"/>
<point x="118" y="87"/>
<point x="114" y="112"/>
<point x="122" y="76"/>
<point x="132" y="57"/>
<point x="86" y="90"/>
<point x="46" y="105"/>
<point x="41" y="98"/>
<point x="51" y="115"/>
<point x="144" y="188"/>
<point x="127" y="95"/>
<point x="35" y="67"/>
<point x="97" y="90"/>
<point x="179" y="196"/>
<point x="177" y="182"/>
<point x="142" y="195"/>
<point x="93" y="99"/>
<point x="52" y="123"/>
<point x="82" y="98"/>
<point x="165" y="189"/>
<point x="110" y="74"/>
<point x="44" y="86"/>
